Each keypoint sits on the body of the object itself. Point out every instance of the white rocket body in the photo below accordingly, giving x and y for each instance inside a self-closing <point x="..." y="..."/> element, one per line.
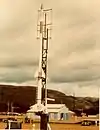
<point x="40" y="73"/>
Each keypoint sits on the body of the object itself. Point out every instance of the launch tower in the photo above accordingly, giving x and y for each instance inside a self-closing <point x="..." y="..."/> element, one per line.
<point x="43" y="34"/>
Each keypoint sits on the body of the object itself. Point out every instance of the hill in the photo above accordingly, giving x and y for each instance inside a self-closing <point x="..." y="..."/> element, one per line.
<point x="23" y="97"/>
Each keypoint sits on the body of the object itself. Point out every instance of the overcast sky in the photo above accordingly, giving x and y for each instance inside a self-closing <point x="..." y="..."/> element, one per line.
<point x="74" y="51"/>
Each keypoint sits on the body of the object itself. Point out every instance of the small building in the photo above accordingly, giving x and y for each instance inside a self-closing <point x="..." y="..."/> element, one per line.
<point x="71" y="113"/>
<point x="56" y="112"/>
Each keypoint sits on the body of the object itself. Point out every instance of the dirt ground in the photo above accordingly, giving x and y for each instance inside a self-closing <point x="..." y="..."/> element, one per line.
<point x="72" y="127"/>
<point x="57" y="127"/>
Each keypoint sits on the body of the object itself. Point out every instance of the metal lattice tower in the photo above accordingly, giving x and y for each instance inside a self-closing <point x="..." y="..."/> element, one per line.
<point x="43" y="34"/>
<point x="44" y="28"/>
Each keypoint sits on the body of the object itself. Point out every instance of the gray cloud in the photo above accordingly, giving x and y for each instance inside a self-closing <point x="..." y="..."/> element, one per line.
<point x="17" y="75"/>
<point x="75" y="75"/>
<point x="17" y="62"/>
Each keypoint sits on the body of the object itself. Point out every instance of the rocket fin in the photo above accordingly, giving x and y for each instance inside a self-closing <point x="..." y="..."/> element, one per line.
<point x="40" y="74"/>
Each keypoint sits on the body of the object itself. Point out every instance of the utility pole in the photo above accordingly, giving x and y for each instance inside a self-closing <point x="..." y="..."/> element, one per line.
<point x="74" y="102"/>
<point x="8" y="107"/>
<point x="12" y="108"/>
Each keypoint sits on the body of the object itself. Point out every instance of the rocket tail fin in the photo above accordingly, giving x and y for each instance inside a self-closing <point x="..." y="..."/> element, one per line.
<point x="39" y="74"/>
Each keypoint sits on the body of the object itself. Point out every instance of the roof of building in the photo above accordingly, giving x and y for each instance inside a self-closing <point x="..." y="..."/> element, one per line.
<point x="51" y="108"/>
<point x="71" y="112"/>
<point x="61" y="108"/>
<point x="56" y="106"/>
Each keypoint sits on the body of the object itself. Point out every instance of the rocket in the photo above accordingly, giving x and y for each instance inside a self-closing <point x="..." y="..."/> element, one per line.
<point x="40" y="73"/>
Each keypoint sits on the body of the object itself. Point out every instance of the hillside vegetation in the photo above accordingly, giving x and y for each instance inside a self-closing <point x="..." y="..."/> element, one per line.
<point x="23" y="97"/>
